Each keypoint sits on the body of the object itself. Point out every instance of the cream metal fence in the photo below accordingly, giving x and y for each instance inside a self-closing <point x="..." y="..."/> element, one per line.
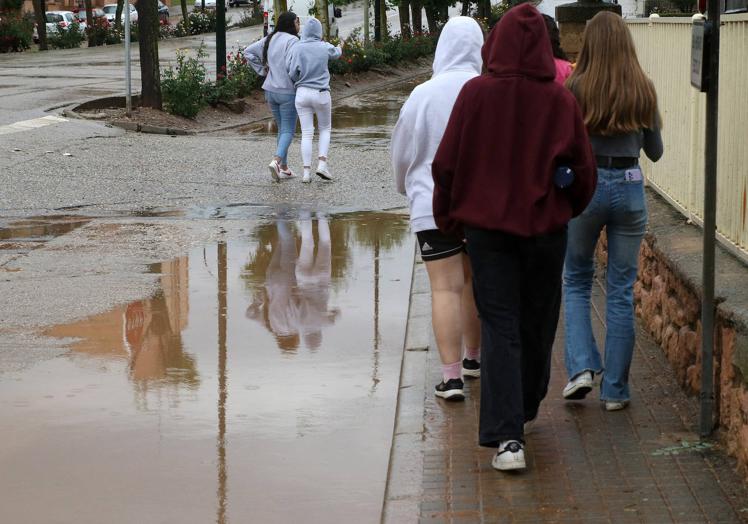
<point x="664" y="49"/>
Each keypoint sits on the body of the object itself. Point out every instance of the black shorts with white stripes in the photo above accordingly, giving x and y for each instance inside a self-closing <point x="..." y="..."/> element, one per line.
<point x="436" y="245"/>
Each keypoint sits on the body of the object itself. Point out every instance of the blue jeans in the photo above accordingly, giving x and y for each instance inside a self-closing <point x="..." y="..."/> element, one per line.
<point x="620" y="207"/>
<point x="283" y="107"/>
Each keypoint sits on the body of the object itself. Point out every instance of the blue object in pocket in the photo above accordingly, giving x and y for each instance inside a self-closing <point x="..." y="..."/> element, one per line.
<point x="563" y="177"/>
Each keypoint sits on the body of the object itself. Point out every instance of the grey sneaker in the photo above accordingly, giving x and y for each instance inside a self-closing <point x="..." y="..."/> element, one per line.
<point x="307" y="177"/>
<point x="510" y="456"/>
<point x="579" y="386"/>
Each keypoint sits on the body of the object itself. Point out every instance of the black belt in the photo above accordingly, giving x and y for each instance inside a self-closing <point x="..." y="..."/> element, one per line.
<point x="616" y="162"/>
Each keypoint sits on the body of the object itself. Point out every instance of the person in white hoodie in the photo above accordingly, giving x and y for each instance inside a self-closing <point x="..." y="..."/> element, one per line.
<point x="307" y="67"/>
<point x="415" y="139"/>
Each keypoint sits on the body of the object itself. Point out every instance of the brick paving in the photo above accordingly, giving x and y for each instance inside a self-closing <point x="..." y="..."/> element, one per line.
<point x="643" y="464"/>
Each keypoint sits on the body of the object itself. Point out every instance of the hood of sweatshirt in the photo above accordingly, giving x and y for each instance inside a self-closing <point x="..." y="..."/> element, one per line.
<point x="519" y="45"/>
<point x="312" y="31"/>
<point x="459" y="47"/>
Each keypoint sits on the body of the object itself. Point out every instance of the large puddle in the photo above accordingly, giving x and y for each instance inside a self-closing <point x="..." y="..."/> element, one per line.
<point x="257" y="384"/>
<point x="364" y="121"/>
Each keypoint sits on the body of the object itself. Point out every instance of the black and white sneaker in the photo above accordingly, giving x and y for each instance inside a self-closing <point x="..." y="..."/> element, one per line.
<point x="510" y="456"/>
<point x="450" y="390"/>
<point x="470" y="368"/>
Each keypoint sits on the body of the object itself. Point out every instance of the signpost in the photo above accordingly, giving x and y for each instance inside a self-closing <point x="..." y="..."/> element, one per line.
<point x="705" y="77"/>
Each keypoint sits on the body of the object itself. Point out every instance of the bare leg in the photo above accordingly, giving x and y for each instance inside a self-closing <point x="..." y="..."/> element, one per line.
<point x="470" y="320"/>
<point x="447" y="282"/>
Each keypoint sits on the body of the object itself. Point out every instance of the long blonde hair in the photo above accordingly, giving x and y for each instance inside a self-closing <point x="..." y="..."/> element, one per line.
<point x="615" y="95"/>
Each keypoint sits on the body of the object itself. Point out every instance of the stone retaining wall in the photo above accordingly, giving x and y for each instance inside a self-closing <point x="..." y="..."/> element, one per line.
<point x="667" y="300"/>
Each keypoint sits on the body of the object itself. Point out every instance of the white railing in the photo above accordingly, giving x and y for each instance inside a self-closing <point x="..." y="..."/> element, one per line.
<point x="664" y="49"/>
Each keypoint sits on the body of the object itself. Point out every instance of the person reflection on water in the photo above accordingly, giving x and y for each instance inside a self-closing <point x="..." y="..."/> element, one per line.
<point x="293" y="303"/>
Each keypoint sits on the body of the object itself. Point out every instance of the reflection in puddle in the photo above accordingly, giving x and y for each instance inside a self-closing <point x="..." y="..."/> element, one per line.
<point x="363" y="120"/>
<point x="24" y="235"/>
<point x="259" y="379"/>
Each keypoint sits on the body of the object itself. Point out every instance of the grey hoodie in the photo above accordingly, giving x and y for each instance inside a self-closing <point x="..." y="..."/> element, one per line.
<point x="307" y="61"/>
<point x="277" y="79"/>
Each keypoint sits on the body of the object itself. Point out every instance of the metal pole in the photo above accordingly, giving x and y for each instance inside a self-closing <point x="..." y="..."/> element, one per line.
<point x="128" y="78"/>
<point x="220" y="38"/>
<point x="710" y="226"/>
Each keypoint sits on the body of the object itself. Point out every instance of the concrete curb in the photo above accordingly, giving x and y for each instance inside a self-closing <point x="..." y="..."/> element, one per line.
<point x="159" y="130"/>
<point x="156" y="130"/>
<point x="403" y="493"/>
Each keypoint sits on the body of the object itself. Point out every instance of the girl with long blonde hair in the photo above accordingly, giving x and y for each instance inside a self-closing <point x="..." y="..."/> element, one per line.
<point x="619" y="107"/>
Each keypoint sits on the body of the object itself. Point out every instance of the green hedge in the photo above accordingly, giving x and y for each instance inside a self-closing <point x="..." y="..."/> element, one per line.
<point x="16" y="33"/>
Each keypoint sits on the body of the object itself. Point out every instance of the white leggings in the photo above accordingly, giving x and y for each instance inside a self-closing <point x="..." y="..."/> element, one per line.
<point x="310" y="102"/>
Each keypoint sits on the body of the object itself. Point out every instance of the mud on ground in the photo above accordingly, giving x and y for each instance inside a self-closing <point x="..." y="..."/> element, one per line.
<point x="213" y="119"/>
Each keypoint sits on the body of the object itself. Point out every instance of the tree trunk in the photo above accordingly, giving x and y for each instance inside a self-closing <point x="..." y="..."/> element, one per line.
<point x="90" y="23"/>
<point x="465" y="8"/>
<point x="322" y="16"/>
<point x="383" y="19"/>
<point x="118" y="14"/>
<point x="150" y="94"/>
<point x="185" y="16"/>
<point x="378" y="20"/>
<point x="404" y="10"/>
<point x="40" y="11"/>
<point x="443" y="14"/>
<point x="431" y="17"/>
<point x="416" y="8"/>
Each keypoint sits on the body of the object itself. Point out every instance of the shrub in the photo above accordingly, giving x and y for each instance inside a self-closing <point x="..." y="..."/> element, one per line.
<point x="358" y="57"/>
<point x="99" y="32"/>
<point x="16" y="33"/>
<point x="199" y="22"/>
<point x="69" y="37"/>
<point x="240" y="73"/>
<point x="183" y="88"/>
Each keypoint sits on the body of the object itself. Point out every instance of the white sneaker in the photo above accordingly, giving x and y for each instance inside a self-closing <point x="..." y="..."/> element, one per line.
<point x="284" y="175"/>
<point x="274" y="170"/>
<point x="323" y="172"/>
<point x="510" y="456"/>
<point x="307" y="177"/>
<point x="616" y="405"/>
<point x="579" y="386"/>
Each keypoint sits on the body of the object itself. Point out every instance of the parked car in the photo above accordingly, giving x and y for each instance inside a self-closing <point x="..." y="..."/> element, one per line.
<point x="111" y="11"/>
<point x="237" y="3"/>
<point x="63" y="19"/>
<point x="96" y="14"/>
<point x="209" y="4"/>
<point x="163" y="11"/>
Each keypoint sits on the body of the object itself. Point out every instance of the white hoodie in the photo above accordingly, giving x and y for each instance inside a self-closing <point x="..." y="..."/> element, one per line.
<point x="424" y="116"/>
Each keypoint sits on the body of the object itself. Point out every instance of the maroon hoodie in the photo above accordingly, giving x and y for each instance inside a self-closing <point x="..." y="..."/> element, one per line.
<point x="509" y="129"/>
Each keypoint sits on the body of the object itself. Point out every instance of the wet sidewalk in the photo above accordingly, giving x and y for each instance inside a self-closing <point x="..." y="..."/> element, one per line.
<point x="643" y="464"/>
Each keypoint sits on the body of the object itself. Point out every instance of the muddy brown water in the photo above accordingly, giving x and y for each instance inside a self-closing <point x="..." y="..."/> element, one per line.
<point x="257" y="384"/>
<point x="364" y="121"/>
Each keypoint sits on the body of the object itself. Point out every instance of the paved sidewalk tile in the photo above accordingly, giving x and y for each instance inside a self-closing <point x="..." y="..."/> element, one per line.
<point x="585" y="465"/>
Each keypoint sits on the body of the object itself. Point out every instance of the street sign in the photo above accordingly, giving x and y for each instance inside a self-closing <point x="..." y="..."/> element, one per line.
<point x="700" y="39"/>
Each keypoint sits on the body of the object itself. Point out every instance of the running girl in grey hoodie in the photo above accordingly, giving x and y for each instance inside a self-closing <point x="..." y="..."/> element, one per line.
<point x="307" y="67"/>
<point x="268" y="57"/>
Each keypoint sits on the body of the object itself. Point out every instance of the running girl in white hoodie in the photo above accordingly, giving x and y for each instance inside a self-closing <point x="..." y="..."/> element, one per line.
<point x="415" y="140"/>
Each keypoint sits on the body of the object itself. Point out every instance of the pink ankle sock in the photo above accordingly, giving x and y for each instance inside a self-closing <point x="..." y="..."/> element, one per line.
<point x="472" y="354"/>
<point x="451" y="371"/>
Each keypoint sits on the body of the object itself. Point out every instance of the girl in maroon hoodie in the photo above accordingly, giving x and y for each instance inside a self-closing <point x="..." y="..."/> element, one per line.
<point x="494" y="180"/>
